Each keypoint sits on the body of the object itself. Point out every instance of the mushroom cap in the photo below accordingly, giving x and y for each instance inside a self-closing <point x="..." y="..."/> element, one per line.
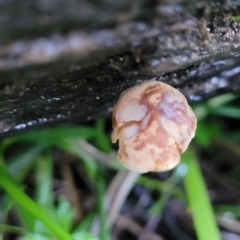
<point x="154" y="125"/>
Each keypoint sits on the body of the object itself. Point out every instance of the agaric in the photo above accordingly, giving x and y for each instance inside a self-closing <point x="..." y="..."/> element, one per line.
<point x="154" y="125"/>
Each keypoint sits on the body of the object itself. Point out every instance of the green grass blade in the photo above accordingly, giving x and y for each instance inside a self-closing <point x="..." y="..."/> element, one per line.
<point x="19" y="165"/>
<point x="86" y="223"/>
<point x="44" y="180"/>
<point x="25" y="202"/>
<point x="234" y="210"/>
<point x="221" y="100"/>
<point x="12" y="229"/>
<point x="158" y="185"/>
<point x="228" y="111"/>
<point x="198" y="199"/>
<point x="102" y="139"/>
<point x="43" y="188"/>
<point x="65" y="213"/>
<point x="167" y="189"/>
<point x="51" y="136"/>
<point x="26" y="218"/>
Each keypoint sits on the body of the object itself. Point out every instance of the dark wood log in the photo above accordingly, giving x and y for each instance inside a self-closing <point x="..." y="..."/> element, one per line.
<point x="68" y="61"/>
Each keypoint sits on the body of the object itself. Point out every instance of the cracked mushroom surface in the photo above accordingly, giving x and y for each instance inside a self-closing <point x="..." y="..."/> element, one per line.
<point x="154" y="125"/>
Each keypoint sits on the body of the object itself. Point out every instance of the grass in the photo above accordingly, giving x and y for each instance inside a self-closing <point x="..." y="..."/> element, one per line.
<point x="198" y="199"/>
<point x="31" y="207"/>
<point x="34" y="191"/>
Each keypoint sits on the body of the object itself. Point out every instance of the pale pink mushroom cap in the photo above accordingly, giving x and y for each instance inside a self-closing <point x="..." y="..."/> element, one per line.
<point x="154" y="125"/>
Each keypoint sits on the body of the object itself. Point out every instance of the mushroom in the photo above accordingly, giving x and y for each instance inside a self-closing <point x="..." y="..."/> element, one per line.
<point x="154" y="125"/>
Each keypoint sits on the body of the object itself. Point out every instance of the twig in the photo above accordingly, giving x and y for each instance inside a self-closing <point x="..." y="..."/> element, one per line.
<point x="105" y="158"/>
<point x="230" y="224"/>
<point x="118" y="192"/>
